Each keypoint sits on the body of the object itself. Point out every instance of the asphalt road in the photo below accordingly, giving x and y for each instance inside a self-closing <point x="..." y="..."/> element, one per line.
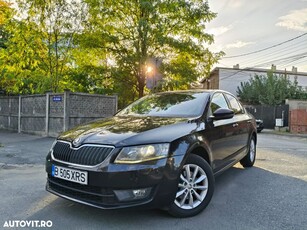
<point x="271" y="195"/>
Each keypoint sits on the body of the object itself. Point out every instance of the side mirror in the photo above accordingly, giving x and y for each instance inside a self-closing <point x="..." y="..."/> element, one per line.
<point x="221" y="114"/>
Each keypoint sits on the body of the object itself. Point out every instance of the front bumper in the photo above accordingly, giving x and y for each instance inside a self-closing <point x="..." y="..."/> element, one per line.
<point x="107" y="183"/>
<point x="260" y="127"/>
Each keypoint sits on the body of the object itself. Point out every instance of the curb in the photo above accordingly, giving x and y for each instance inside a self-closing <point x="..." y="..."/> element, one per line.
<point x="274" y="132"/>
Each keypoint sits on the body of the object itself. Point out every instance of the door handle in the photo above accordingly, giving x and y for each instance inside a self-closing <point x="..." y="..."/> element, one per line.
<point x="235" y="125"/>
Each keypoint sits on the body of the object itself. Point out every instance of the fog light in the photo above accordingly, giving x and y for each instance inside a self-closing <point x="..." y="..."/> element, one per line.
<point x="140" y="193"/>
<point x="130" y="195"/>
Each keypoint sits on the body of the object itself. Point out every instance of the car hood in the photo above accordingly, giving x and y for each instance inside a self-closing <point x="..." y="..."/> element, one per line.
<point x="129" y="130"/>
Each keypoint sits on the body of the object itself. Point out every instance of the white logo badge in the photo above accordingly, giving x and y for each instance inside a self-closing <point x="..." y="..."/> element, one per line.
<point x="77" y="141"/>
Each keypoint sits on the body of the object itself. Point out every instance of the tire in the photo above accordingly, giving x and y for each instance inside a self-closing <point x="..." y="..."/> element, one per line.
<point x="249" y="159"/>
<point x="195" y="188"/>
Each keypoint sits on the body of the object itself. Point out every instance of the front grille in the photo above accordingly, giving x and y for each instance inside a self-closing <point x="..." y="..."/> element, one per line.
<point x="85" y="155"/>
<point x="90" y="194"/>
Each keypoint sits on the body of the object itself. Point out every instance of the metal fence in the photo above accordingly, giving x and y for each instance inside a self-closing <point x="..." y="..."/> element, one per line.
<point x="269" y="114"/>
<point x="52" y="113"/>
<point x="298" y="116"/>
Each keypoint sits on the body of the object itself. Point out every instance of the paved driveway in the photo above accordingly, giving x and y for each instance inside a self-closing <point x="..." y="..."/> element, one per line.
<point x="271" y="195"/>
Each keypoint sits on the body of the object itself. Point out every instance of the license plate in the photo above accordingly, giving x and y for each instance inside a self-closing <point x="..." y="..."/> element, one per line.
<point x="69" y="174"/>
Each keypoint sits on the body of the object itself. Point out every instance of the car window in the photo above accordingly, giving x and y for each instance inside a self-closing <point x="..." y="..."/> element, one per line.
<point x="176" y="104"/>
<point x="218" y="101"/>
<point x="234" y="104"/>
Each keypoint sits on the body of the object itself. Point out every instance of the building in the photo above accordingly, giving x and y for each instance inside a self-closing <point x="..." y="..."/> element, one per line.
<point x="230" y="78"/>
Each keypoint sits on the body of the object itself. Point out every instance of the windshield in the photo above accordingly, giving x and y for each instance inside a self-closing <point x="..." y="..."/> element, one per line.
<point x="181" y="104"/>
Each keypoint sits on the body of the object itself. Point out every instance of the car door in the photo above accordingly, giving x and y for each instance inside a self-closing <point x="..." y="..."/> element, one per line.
<point x="220" y="134"/>
<point x="240" y="120"/>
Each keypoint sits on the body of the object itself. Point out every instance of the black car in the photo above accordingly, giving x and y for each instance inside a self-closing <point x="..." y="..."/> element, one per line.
<point x="260" y="125"/>
<point x="162" y="151"/>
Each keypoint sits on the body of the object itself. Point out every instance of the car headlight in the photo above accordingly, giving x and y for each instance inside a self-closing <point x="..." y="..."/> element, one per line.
<point x="137" y="154"/>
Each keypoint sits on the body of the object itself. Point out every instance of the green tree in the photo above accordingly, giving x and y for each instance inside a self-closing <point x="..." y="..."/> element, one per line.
<point x="106" y="46"/>
<point x="39" y="49"/>
<point x="5" y="12"/>
<point x="134" y="32"/>
<point x="271" y="89"/>
<point x="5" y="15"/>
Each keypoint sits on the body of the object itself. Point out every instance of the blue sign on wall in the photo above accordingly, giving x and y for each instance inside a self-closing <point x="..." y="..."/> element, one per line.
<point x="57" y="98"/>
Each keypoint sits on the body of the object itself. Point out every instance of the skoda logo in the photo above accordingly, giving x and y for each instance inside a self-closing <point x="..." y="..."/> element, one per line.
<point x="77" y="141"/>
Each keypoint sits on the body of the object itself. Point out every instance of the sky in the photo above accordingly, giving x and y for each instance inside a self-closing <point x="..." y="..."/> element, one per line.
<point x="245" y="26"/>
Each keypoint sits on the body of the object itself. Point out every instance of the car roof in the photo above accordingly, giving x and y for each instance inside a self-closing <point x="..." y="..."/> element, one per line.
<point x="191" y="91"/>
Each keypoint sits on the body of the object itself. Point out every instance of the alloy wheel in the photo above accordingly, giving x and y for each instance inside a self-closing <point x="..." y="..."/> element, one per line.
<point x="252" y="150"/>
<point x="192" y="187"/>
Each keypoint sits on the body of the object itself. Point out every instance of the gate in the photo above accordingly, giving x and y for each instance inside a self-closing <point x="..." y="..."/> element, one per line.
<point x="269" y="114"/>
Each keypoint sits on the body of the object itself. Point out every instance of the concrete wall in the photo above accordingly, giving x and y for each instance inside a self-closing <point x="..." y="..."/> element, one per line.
<point x="297" y="104"/>
<point x="51" y="114"/>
